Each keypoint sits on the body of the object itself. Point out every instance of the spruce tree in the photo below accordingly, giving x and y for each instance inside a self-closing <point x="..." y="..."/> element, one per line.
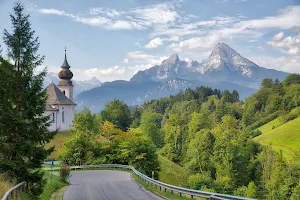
<point x="23" y="126"/>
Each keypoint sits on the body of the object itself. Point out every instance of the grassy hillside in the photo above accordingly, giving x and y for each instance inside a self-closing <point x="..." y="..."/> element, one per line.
<point x="268" y="126"/>
<point x="285" y="137"/>
<point x="5" y="185"/>
<point x="172" y="173"/>
<point x="58" y="141"/>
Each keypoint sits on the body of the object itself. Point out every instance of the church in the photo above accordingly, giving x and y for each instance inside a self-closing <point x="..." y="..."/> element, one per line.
<point x="60" y="106"/>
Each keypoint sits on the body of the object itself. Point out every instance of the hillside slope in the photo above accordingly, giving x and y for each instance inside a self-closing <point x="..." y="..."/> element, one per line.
<point x="285" y="137"/>
<point x="172" y="173"/>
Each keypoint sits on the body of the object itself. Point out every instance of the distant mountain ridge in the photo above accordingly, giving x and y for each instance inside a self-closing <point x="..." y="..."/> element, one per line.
<point x="224" y="69"/>
<point x="223" y="64"/>
<point x="79" y="86"/>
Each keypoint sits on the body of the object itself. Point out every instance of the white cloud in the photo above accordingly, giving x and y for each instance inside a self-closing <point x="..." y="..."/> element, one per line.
<point x="230" y="28"/>
<point x="137" y="18"/>
<point x="294" y="50"/>
<point x="126" y="60"/>
<point x="51" y="12"/>
<point x="104" y="74"/>
<point x="162" y="13"/>
<point x="154" y="43"/>
<point x="142" y="60"/>
<point x="278" y="36"/>
<point x="138" y="55"/>
<point x="284" y="63"/>
<point x="261" y="48"/>
<point x="285" y="19"/>
<point x="115" y="70"/>
<point x="289" y="45"/>
<point x="175" y="38"/>
<point x="202" y="45"/>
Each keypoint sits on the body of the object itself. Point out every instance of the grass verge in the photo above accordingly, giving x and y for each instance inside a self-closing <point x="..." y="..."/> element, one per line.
<point x="167" y="194"/>
<point x="51" y="186"/>
<point x="5" y="185"/>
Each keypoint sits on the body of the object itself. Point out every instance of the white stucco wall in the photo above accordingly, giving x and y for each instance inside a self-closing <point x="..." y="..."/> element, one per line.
<point x="68" y="90"/>
<point x="69" y="111"/>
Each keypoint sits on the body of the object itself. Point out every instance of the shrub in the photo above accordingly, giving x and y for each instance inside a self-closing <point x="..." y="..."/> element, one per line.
<point x="64" y="172"/>
<point x="262" y="121"/>
<point x="199" y="181"/>
<point x="255" y="133"/>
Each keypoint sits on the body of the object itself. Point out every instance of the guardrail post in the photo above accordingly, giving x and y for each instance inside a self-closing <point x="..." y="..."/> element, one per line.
<point x="15" y="194"/>
<point x="165" y="189"/>
<point x="180" y="194"/>
<point x="192" y="196"/>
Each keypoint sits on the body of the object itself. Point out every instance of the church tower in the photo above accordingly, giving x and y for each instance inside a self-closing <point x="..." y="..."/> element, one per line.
<point x="65" y="75"/>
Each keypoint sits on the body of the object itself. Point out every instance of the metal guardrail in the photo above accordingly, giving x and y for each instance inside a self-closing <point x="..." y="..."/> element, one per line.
<point x="14" y="192"/>
<point x="161" y="185"/>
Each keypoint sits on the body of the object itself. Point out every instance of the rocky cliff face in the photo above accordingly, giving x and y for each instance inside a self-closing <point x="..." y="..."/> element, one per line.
<point x="223" y="64"/>
<point x="224" y="69"/>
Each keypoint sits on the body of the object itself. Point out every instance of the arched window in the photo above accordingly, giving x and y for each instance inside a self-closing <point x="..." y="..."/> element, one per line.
<point x="63" y="117"/>
<point x="64" y="92"/>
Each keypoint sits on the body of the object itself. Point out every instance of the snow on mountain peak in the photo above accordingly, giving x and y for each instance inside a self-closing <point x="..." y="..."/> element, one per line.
<point x="224" y="56"/>
<point x="95" y="81"/>
<point x="223" y="51"/>
<point x="173" y="59"/>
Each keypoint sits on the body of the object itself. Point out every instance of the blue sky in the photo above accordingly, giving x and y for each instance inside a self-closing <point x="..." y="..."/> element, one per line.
<point x="114" y="39"/>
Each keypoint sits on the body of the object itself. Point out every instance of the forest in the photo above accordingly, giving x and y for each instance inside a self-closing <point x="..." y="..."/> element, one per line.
<point x="208" y="132"/>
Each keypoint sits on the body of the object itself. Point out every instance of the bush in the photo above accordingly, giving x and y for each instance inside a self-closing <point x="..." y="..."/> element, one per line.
<point x="36" y="187"/>
<point x="64" y="172"/>
<point x="262" y="121"/>
<point x="291" y="116"/>
<point x="199" y="181"/>
<point x="255" y="133"/>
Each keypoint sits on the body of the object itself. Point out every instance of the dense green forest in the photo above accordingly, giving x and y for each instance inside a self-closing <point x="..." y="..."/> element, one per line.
<point x="208" y="132"/>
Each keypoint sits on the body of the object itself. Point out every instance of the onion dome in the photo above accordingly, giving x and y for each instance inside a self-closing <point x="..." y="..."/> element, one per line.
<point x="65" y="72"/>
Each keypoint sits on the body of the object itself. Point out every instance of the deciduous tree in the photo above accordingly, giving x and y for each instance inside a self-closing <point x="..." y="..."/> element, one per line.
<point x="118" y="113"/>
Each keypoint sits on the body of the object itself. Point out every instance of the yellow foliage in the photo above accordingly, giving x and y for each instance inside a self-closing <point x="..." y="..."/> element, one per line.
<point x="109" y="130"/>
<point x="5" y="185"/>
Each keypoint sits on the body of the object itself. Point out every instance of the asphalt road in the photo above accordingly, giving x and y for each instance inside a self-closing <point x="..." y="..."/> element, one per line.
<point x="105" y="185"/>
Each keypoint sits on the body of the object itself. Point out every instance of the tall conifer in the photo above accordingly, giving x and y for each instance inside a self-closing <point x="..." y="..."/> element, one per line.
<point x="23" y="127"/>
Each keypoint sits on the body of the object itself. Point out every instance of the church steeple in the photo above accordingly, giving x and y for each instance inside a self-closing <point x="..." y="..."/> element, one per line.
<point x="65" y="72"/>
<point x="65" y="75"/>
<point x="65" y="64"/>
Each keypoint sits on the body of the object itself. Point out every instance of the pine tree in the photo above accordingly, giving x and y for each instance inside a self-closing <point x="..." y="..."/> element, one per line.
<point x="23" y="127"/>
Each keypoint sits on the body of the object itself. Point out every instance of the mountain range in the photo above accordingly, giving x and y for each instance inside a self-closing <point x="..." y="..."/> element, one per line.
<point x="225" y="69"/>
<point x="79" y="86"/>
<point x="223" y="64"/>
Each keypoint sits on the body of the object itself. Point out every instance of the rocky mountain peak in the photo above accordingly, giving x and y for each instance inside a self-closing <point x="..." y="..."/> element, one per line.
<point x="223" y="51"/>
<point x="95" y="81"/>
<point x="173" y="59"/>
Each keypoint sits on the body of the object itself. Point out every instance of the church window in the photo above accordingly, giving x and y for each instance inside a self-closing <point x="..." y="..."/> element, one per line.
<point x="64" y="92"/>
<point x="53" y="118"/>
<point x="63" y="117"/>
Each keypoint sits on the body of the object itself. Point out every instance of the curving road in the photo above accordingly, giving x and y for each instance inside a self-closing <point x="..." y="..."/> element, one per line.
<point x="105" y="185"/>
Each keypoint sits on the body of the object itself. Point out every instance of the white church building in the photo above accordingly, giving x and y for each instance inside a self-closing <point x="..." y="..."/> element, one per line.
<point x="60" y="105"/>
